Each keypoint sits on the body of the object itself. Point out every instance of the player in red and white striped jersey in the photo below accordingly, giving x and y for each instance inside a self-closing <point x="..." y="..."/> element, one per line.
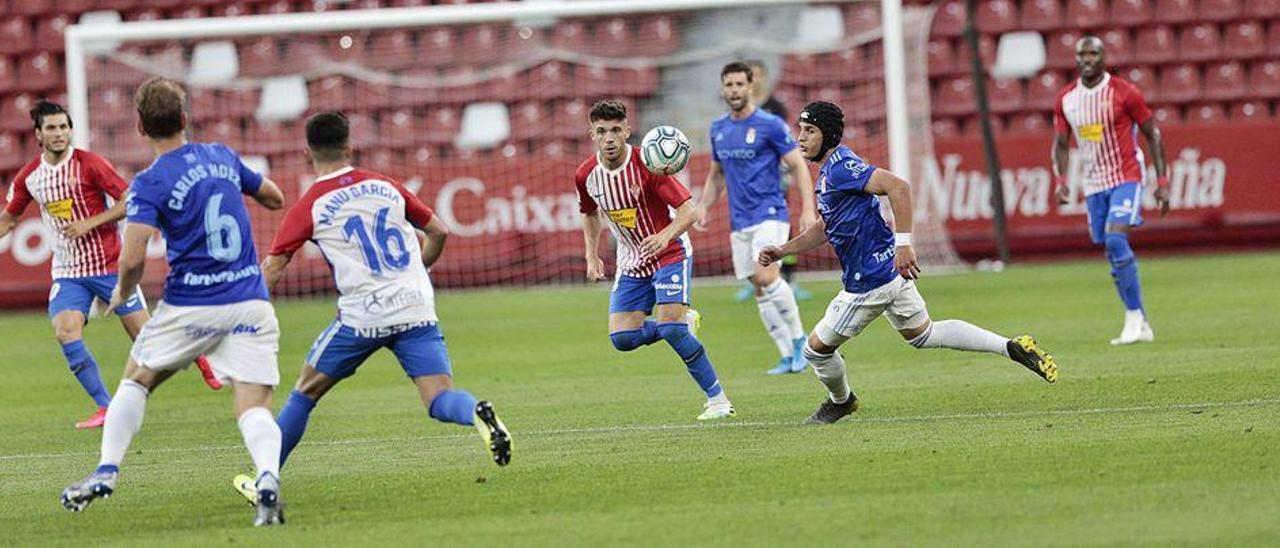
<point x="1105" y="114"/>
<point x="654" y="256"/>
<point x="71" y="187"/>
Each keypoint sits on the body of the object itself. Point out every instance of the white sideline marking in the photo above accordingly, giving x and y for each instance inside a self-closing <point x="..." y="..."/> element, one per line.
<point x="682" y="427"/>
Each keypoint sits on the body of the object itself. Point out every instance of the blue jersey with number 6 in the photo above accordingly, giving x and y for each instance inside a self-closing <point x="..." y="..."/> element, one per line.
<point x="193" y="195"/>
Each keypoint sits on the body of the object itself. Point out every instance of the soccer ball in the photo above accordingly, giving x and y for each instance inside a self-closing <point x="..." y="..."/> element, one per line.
<point x="665" y="150"/>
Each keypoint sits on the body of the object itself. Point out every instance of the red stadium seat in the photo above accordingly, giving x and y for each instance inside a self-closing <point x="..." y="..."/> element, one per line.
<point x="1199" y="43"/>
<point x="273" y="137"/>
<point x="343" y="47"/>
<point x="954" y="96"/>
<point x="1180" y="84"/>
<point x="1273" y="39"/>
<point x="1175" y="11"/>
<point x="329" y="93"/>
<point x="145" y="14"/>
<point x="569" y="118"/>
<point x="372" y="94"/>
<point x="1225" y="81"/>
<point x="1251" y="112"/>
<point x="222" y="131"/>
<point x="986" y="49"/>
<point x="1245" y="40"/>
<point x="1220" y="10"/>
<point x="189" y="12"/>
<point x="973" y="126"/>
<point x="657" y="36"/>
<point x="1154" y="45"/>
<point x="437" y="47"/>
<point x="230" y="10"/>
<point x="110" y="105"/>
<point x="39" y="72"/>
<point x="15" y="35"/>
<point x="397" y="128"/>
<point x="390" y="50"/>
<point x="1086" y="14"/>
<point x="163" y="4"/>
<point x="1130" y="13"/>
<point x="12" y="152"/>
<point x="1060" y="50"/>
<point x="1264" y="80"/>
<point x="1041" y="15"/>
<point x="303" y="53"/>
<point x="482" y="45"/>
<point x="1006" y="95"/>
<point x="276" y="7"/>
<point x="570" y="35"/>
<point x="116" y="5"/>
<point x="949" y="19"/>
<point x="1043" y="90"/>
<point x="8" y="73"/>
<point x="259" y="57"/>
<point x="49" y="32"/>
<point x="1207" y="113"/>
<point x="941" y="57"/>
<point x="613" y="37"/>
<point x="861" y="17"/>
<point x="14" y="112"/>
<point x="1262" y="9"/>
<point x="529" y="120"/>
<point x="28" y="8"/>
<point x="1167" y="115"/>
<point x="238" y="104"/>
<point x="364" y="130"/>
<point x="997" y="16"/>
<point x="1119" y="49"/>
<point x="1030" y="122"/>
<point x="946" y="127"/>
<point x="441" y="125"/>
<point x="1145" y="80"/>
<point x="550" y="80"/>
<point x="800" y="69"/>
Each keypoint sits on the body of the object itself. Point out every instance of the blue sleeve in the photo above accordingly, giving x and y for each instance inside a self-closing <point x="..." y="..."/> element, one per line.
<point x="711" y="138"/>
<point x="850" y="174"/>
<point x="250" y="180"/>
<point x="780" y="138"/>
<point x="140" y="208"/>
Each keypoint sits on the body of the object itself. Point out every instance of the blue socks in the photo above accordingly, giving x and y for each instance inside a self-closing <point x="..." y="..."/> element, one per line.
<point x="631" y="340"/>
<point x="694" y="355"/>
<point x="455" y="406"/>
<point x="1124" y="269"/>
<point x="85" y="368"/>
<point x="293" y="422"/>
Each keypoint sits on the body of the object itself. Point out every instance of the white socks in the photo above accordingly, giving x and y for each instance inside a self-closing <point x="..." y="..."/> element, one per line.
<point x="124" y="418"/>
<point x="830" y="370"/>
<point x="262" y="437"/>
<point x="781" y="315"/>
<point x="961" y="335"/>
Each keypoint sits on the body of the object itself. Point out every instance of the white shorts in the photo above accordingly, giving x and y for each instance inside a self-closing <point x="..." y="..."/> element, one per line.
<point x="849" y="313"/>
<point x="748" y="242"/>
<point x="241" y="340"/>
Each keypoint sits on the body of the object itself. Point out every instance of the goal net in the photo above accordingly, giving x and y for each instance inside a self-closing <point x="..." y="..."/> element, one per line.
<point x="481" y="109"/>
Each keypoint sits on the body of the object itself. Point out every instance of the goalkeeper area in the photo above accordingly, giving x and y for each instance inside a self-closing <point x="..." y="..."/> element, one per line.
<point x="1168" y="443"/>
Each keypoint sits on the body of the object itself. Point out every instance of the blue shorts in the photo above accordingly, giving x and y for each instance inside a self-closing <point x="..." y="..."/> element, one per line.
<point x="78" y="293"/>
<point x="1119" y="205"/>
<point x="341" y="349"/>
<point x="670" y="284"/>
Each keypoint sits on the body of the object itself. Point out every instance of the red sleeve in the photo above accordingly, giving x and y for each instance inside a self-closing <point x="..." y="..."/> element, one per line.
<point x="18" y="196"/>
<point x="1136" y="105"/>
<point x="586" y="204"/>
<point x="671" y="191"/>
<point x="414" y="210"/>
<point x="1060" y="124"/>
<point x="105" y="176"/>
<point x="295" y="230"/>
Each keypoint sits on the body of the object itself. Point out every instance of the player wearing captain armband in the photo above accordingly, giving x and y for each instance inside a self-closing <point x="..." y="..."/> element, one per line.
<point x="215" y="302"/>
<point x="367" y="225"/>
<point x="1105" y="114"/>
<point x="879" y="267"/>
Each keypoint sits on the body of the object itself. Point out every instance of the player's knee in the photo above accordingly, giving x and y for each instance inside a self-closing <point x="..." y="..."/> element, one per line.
<point x="626" y="340"/>
<point x="68" y="327"/>
<point x="1118" y="251"/>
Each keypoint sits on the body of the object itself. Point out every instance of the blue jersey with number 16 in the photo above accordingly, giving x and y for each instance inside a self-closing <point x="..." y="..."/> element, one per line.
<point x="192" y="194"/>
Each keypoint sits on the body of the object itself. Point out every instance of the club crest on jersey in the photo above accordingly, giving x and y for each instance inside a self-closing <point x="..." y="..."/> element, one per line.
<point x="634" y="188"/>
<point x="60" y="208"/>
<point x="751" y="135"/>
<point x="623" y="217"/>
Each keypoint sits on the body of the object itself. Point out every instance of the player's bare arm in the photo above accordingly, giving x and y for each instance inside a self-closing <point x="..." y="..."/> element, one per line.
<point x="711" y="192"/>
<point x="794" y="161"/>
<point x="76" y="229"/>
<point x="809" y="239"/>
<point x="686" y="215"/>
<point x="269" y="195"/>
<point x="7" y="222"/>
<point x="273" y="269"/>
<point x="1059" y="153"/>
<point x="133" y="258"/>
<point x="1155" y="144"/>
<point x="884" y="183"/>
<point x="433" y="245"/>
<point x="591" y="227"/>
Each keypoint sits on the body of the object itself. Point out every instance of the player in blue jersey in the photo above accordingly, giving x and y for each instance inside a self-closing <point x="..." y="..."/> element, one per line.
<point x="879" y="267"/>
<point x="215" y="302"/>
<point x="748" y="146"/>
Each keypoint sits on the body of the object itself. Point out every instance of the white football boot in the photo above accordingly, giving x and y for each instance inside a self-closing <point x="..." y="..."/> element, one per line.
<point x="1136" y="329"/>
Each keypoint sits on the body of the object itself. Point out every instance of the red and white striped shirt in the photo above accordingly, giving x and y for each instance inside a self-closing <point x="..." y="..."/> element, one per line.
<point x="75" y="188"/>
<point x="637" y="204"/>
<point x="1104" y="120"/>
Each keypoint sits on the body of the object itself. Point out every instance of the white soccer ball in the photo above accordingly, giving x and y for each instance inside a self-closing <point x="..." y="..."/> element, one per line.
<point x="665" y="150"/>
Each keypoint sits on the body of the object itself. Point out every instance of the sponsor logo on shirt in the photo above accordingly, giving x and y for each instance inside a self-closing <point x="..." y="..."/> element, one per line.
<point x="623" y="217"/>
<point x="376" y="302"/>
<point x="60" y="208"/>
<point x="1091" y="132"/>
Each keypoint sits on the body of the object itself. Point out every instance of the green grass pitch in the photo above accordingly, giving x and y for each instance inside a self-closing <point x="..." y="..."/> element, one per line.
<point x="1176" y="442"/>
